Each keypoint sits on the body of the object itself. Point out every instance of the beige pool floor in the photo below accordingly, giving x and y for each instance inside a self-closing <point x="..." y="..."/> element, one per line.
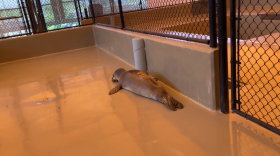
<point x="82" y="119"/>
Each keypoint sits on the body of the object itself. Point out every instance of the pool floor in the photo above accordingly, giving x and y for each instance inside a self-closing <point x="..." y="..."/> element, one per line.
<point x="59" y="105"/>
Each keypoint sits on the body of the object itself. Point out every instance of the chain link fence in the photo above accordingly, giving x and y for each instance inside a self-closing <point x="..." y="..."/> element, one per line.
<point x="258" y="57"/>
<point x="22" y="17"/>
<point x="59" y="14"/>
<point x="12" y="19"/>
<point x="184" y="18"/>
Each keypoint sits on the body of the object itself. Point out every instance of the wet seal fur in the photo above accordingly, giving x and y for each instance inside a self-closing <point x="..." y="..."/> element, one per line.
<point x="142" y="84"/>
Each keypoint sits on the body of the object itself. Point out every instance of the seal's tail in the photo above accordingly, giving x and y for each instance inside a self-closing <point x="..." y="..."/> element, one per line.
<point x="171" y="102"/>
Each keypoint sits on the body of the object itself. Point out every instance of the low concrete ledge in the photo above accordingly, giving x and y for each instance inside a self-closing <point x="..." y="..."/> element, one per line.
<point x="189" y="68"/>
<point x="46" y="43"/>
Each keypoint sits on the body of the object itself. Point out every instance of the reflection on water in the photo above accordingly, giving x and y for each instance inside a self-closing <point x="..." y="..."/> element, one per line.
<point x="248" y="140"/>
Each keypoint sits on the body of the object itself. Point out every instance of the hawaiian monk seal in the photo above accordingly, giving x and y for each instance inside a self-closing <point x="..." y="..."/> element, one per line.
<point x="142" y="84"/>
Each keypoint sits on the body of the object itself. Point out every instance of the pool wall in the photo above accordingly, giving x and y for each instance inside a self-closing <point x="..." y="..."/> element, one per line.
<point x="46" y="43"/>
<point x="190" y="68"/>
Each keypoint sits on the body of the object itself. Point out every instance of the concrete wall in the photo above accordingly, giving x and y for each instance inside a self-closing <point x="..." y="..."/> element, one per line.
<point x="190" y="68"/>
<point x="45" y="43"/>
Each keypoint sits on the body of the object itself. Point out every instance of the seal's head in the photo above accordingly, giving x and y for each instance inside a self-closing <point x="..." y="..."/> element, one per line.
<point x="117" y="74"/>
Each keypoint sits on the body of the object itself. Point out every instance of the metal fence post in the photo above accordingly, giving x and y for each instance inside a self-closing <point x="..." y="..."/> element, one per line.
<point x="92" y="11"/>
<point x="80" y="10"/>
<point x="41" y="16"/>
<point x="233" y="52"/>
<point x="77" y="11"/>
<point x="26" y="21"/>
<point x="222" y="25"/>
<point x="30" y="11"/>
<point x="212" y="23"/>
<point x="121" y="14"/>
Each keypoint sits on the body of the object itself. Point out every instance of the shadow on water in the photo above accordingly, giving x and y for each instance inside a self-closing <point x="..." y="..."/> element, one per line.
<point x="19" y="115"/>
<point x="56" y="84"/>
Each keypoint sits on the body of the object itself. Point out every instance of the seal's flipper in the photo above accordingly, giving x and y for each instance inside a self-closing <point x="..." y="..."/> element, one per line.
<point x="115" y="90"/>
<point x="168" y="103"/>
<point x="176" y="103"/>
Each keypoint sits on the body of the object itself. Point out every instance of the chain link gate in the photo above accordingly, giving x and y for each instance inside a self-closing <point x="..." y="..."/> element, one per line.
<point x="255" y="68"/>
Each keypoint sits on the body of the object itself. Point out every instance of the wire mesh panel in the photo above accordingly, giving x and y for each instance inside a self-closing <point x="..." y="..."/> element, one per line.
<point x="59" y="14"/>
<point x="258" y="59"/>
<point x="84" y="12"/>
<point x="186" y="18"/>
<point x="12" y="20"/>
<point x="106" y="12"/>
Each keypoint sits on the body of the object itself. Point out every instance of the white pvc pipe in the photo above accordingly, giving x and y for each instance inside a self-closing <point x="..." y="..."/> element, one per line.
<point x="139" y="54"/>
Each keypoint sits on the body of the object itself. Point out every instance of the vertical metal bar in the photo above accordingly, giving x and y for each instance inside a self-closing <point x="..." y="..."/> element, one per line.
<point x="92" y="11"/>
<point x="222" y="25"/>
<point x="25" y="15"/>
<point x="212" y="23"/>
<point x="86" y="13"/>
<point x="121" y="14"/>
<point x="31" y="16"/>
<point x="79" y="5"/>
<point x="112" y="5"/>
<point x="233" y="52"/>
<point x="141" y="6"/>
<point x="238" y="58"/>
<point x="77" y="12"/>
<point x="41" y="15"/>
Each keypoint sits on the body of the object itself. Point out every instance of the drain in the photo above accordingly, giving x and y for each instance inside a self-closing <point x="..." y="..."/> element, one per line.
<point x="44" y="101"/>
